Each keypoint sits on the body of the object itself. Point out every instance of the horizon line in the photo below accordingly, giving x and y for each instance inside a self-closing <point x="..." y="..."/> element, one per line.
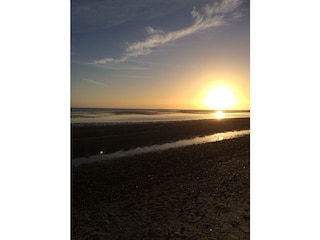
<point x="137" y="108"/>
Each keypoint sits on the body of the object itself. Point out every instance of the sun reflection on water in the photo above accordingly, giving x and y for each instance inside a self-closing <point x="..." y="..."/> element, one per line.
<point x="219" y="115"/>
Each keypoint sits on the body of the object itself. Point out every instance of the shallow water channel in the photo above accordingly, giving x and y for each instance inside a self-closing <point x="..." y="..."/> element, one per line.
<point x="160" y="147"/>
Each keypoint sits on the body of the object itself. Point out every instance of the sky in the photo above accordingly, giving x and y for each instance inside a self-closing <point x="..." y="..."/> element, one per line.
<point x="159" y="53"/>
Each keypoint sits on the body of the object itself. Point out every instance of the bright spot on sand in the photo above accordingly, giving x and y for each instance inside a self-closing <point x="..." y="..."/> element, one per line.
<point x="220" y="98"/>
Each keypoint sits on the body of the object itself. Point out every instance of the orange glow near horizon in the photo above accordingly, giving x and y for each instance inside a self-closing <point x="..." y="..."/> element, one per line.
<point x="220" y="97"/>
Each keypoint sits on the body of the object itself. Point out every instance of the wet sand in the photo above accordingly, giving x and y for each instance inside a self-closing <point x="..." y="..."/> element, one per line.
<point x="91" y="140"/>
<point x="195" y="192"/>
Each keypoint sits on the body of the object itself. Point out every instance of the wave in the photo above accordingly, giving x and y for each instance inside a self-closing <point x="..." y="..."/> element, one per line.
<point x="117" y="115"/>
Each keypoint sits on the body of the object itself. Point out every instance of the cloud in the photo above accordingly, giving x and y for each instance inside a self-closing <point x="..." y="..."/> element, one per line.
<point x="95" y="82"/>
<point x="109" y="60"/>
<point x="151" y="30"/>
<point x="104" y="61"/>
<point x="212" y="15"/>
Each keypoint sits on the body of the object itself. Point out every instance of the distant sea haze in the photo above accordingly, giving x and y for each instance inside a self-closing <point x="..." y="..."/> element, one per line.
<point x="117" y="115"/>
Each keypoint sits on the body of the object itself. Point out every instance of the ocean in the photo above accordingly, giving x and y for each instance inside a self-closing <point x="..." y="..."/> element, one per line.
<point x="117" y="116"/>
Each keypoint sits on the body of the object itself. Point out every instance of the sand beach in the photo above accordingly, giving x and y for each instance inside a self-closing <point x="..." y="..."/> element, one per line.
<point x="194" y="192"/>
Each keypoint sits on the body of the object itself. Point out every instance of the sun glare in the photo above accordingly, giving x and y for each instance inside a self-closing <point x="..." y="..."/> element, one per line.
<point x="219" y="115"/>
<point x="220" y="98"/>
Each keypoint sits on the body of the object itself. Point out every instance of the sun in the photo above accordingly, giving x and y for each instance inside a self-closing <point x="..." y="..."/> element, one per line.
<point x="220" y="98"/>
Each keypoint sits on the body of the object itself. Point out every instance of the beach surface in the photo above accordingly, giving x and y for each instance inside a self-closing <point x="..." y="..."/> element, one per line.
<point x="91" y="139"/>
<point x="194" y="192"/>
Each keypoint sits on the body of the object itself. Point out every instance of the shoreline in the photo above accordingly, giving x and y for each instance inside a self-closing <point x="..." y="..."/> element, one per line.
<point x="91" y="139"/>
<point x="200" y="191"/>
<point x="162" y="147"/>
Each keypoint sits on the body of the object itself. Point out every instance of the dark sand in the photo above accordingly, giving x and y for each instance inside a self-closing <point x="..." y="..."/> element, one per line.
<point x="88" y="141"/>
<point x="196" y="192"/>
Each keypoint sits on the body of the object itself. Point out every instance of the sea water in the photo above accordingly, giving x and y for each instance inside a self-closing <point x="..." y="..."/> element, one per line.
<point x="118" y="116"/>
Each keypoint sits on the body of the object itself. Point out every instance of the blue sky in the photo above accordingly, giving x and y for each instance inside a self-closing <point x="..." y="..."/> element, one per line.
<point x="158" y="54"/>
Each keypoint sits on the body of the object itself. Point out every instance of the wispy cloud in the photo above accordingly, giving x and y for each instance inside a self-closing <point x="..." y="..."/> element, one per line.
<point x="212" y="15"/>
<point x="123" y="67"/>
<point x="95" y="82"/>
